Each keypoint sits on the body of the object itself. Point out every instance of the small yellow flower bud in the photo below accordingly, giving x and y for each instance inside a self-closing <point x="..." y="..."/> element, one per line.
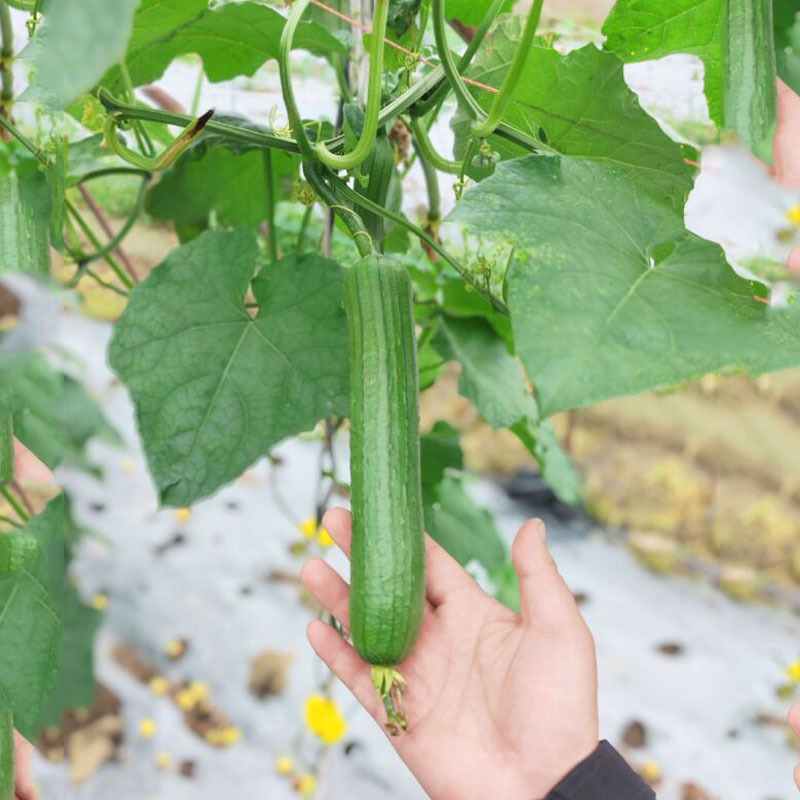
<point x="185" y="700"/>
<point x="158" y="685"/>
<point x="284" y="765"/>
<point x="99" y="601"/>
<point x="163" y="759"/>
<point x="147" y="728"/>
<point x="308" y="527"/>
<point x="324" y="539"/>
<point x="305" y="785"/>
<point x="182" y="515"/>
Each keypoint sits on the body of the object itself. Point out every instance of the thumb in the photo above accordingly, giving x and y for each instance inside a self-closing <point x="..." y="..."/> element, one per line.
<point x="544" y="596"/>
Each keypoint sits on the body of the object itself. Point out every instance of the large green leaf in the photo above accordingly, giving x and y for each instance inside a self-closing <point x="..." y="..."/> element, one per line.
<point x="733" y="38"/>
<point x="787" y="41"/>
<point x="218" y="181"/>
<point x="215" y="387"/>
<point x="610" y="294"/>
<point x="75" y="684"/>
<point x="232" y="39"/>
<point x="579" y="104"/>
<point x="78" y="42"/>
<point x="25" y="199"/>
<point x="55" y="417"/>
<point x="471" y="12"/>
<point x="30" y="620"/>
<point x="493" y="381"/>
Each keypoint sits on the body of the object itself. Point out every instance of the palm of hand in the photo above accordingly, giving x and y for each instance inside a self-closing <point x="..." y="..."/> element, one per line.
<point x="500" y="705"/>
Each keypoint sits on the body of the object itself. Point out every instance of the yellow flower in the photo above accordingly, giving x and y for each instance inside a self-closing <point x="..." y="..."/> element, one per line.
<point x="163" y="759"/>
<point x="793" y="214"/>
<point x="185" y="699"/>
<point x="99" y="601"/>
<point x="284" y="765"/>
<point x="305" y="785"/>
<point x="147" y="728"/>
<point x="324" y="719"/>
<point x="793" y="671"/>
<point x="175" y="648"/>
<point x="229" y="735"/>
<point x="182" y="515"/>
<point x="651" y="771"/>
<point x="200" y="691"/>
<point x="308" y="527"/>
<point x="158" y="685"/>
<point x="324" y="539"/>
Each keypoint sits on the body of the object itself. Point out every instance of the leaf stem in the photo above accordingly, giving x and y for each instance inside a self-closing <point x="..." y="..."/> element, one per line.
<point x="93" y="240"/>
<point x="346" y="192"/>
<point x="142" y="137"/>
<point x="301" y="236"/>
<point x="501" y="100"/>
<point x="449" y="65"/>
<point x="14" y="503"/>
<point x="361" y="151"/>
<point x="198" y="88"/>
<point x="431" y="182"/>
<point x="23" y="5"/>
<point x="269" y="180"/>
<point x="10" y="521"/>
<point x="117" y="239"/>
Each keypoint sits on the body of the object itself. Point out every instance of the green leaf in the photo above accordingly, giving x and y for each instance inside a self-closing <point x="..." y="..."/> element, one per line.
<point x="493" y="381"/>
<point x="78" y="42"/>
<point x="579" y="105"/>
<point x="232" y="39"/>
<point x="471" y="12"/>
<point x="440" y="450"/>
<point x="610" y="294"/>
<point x="467" y="531"/>
<point x="452" y="517"/>
<point x="215" y="180"/>
<point x="30" y="620"/>
<point x="75" y="684"/>
<point x="787" y="41"/>
<point x="215" y="388"/>
<point x="54" y="417"/>
<point x="642" y="30"/>
<point x="506" y="585"/>
<point x="734" y="40"/>
<point x="24" y="215"/>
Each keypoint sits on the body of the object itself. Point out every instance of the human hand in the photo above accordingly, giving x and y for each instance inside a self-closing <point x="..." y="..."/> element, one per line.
<point x="24" y="788"/>
<point x="499" y="704"/>
<point x="786" y="151"/>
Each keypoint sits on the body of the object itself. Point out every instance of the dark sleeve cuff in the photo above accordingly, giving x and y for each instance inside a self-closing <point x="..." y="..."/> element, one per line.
<point x="605" y="775"/>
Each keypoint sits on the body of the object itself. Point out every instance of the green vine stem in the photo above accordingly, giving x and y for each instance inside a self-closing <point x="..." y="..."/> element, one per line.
<point x="116" y="240"/>
<point x="448" y="62"/>
<point x="427" y="151"/>
<point x="437" y="98"/>
<point x="6" y="61"/>
<point x="104" y="173"/>
<point x="488" y="126"/>
<point x="352" y="196"/>
<point x="6" y="756"/>
<point x="434" y="192"/>
<point x="285" y="69"/>
<point x="389" y="685"/>
<point x="170" y="155"/>
<point x="372" y="111"/>
<point x="361" y="238"/>
<point x="93" y="240"/>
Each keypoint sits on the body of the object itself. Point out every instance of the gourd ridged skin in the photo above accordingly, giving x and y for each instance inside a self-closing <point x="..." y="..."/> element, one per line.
<point x="387" y="573"/>
<point x="6" y="756"/>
